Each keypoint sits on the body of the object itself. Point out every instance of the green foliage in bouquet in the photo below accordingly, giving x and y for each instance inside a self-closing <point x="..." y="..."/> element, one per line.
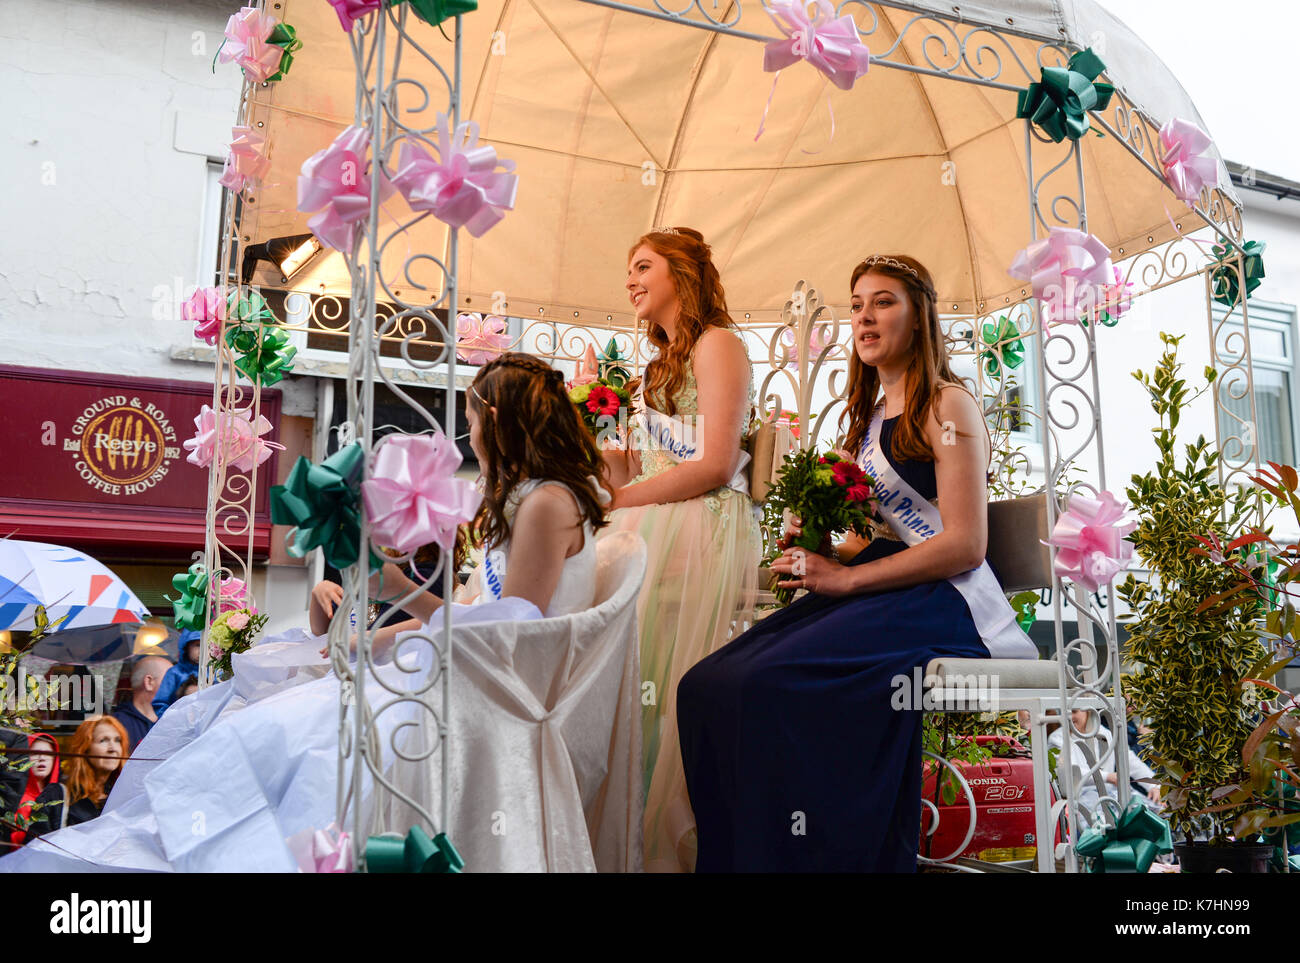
<point x="232" y="632"/>
<point x="1191" y="663"/>
<point x="829" y="493"/>
<point x="602" y="405"/>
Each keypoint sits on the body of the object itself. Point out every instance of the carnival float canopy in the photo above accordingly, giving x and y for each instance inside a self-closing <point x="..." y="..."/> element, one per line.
<point x="618" y="123"/>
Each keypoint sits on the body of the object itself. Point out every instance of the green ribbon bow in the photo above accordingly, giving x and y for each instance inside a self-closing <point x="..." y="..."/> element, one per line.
<point x="1004" y="347"/>
<point x="1130" y="846"/>
<point x="191" y="607"/>
<point x="1226" y="285"/>
<point x="263" y="346"/>
<point x="1060" y="102"/>
<point x="286" y="38"/>
<point x="322" y="502"/>
<point x="417" y="853"/>
<point x="436" y="11"/>
<point x="610" y="366"/>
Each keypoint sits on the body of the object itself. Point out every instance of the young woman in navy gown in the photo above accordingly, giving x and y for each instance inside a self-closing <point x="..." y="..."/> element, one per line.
<point x="797" y="755"/>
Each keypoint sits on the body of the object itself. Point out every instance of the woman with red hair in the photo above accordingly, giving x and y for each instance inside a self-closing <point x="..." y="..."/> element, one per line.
<point x="681" y="486"/>
<point x="94" y="759"/>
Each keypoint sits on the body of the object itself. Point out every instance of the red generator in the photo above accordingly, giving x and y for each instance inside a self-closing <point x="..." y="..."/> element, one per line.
<point x="1003" y="787"/>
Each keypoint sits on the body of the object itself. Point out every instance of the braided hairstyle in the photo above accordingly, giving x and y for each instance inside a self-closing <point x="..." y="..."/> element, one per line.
<point x="702" y="304"/>
<point x="535" y="432"/>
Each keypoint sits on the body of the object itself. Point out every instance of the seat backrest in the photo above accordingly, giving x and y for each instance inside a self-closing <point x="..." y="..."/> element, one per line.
<point x="1017" y="530"/>
<point x="767" y="446"/>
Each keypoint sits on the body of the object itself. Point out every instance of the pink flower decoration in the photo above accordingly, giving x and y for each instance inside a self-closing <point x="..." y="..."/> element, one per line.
<point x="1089" y="540"/>
<point x="462" y="188"/>
<point x="245" y="44"/>
<point x="237" y="622"/>
<point x="334" y="182"/>
<point x="246" y="165"/>
<point x="350" y="11"/>
<point x="1068" y="270"/>
<point x="830" y="45"/>
<point x="206" y="307"/>
<point x="215" y="651"/>
<point x="480" y="339"/>
<point x="238" y="436"/>
<point x="1189" y="167"/>
<point x="413" y="497"/>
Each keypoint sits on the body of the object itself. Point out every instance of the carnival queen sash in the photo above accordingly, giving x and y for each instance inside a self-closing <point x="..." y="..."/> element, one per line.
<point x="678" y="440"/>
<point x="914" y="520"/>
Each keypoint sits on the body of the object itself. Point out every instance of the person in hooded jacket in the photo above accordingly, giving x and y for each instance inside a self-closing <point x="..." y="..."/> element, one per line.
<point x="44" y="798"/>
<point x="13" y="768"/>
<point x="169" y="690"/>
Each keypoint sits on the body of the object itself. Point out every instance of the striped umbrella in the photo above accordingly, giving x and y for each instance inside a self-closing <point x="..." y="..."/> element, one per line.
<point x="65" y="581"/>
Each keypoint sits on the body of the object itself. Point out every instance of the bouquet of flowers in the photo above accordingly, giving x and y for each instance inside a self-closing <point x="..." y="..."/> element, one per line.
<point x="602" y="405"/>
<point x="232" y="632"/>
<point x="829" y="493"/>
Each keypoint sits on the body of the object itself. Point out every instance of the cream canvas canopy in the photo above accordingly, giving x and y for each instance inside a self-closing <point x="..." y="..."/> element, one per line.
<point x="619" y="122"/>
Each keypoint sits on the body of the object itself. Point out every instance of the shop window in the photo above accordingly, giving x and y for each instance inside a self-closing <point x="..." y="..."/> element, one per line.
<point x="1272" y="353"/>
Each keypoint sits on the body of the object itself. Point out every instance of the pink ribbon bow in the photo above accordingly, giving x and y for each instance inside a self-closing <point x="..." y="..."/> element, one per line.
<point x="334" y="182"/>
<point x="830" y="45"/>
<point x="245" y="44"/>
<point x="413" y="497"/>
<point x="588" y="369"/>
<point x="1068" y="270"/>
<point x="480" y="339"/>
<point x="816" y="343"/>
<point x="246" y="165"/>
<point x="234" y="595"/>
<point x="350" y="11"/>
<point x="1187" y="165"/>
<point x="1089" y="540"/>
<point x="207" y="307"/>
<point x="321" y="850"/>
<point x="236" y="434"/>
<point x="462" y="188"/>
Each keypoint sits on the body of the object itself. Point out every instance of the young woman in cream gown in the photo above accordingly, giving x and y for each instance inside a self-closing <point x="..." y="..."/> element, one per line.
<point x="681" y="485"/>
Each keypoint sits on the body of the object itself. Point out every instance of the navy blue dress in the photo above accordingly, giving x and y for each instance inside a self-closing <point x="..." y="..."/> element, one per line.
<point x="795" y="759"/>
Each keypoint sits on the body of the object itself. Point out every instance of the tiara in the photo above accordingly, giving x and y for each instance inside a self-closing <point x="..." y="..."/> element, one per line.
<point x="893" y="262"/>
<point x="666" y="230"/>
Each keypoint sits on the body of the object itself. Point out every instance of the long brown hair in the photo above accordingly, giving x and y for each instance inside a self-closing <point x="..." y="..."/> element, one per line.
<point x="702" y="304"/>
<point x="536" y="432"/>
<point x="84" y="780"/>
<point x="926" y="373"/>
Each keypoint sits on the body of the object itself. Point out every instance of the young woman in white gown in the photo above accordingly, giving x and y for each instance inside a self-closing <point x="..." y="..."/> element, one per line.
<point x="248" y="763"/>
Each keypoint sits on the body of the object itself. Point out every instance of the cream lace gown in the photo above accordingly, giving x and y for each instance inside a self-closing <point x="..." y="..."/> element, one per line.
<point x="700" y="586"/>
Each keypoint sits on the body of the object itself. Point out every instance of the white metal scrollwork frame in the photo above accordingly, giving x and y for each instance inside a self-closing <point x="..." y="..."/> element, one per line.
<point x="802" y="354"/>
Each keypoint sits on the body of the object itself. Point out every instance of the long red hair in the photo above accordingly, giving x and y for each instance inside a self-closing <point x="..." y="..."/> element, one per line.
<point x="702" y="304"/>
<point x="84" y="780"/>
<point x="927" y="372"/>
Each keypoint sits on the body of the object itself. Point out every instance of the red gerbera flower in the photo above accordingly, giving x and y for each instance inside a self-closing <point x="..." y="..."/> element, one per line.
<point x="602" y="401"/>
<point x="847" y="473"/>
<point x="859" y="493"/>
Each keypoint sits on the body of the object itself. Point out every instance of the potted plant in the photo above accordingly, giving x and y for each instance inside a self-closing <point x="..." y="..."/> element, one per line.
<point x="1193" y="660"/>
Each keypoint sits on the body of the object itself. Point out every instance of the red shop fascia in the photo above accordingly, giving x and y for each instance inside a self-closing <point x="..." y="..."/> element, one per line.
<point x="97" y="462"/>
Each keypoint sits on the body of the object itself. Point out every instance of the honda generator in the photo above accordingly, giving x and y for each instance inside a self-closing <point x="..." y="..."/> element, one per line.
<point x="1003" y="787"/>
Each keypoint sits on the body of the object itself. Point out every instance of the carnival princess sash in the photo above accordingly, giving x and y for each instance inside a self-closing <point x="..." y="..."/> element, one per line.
<point x="914" y="520"/>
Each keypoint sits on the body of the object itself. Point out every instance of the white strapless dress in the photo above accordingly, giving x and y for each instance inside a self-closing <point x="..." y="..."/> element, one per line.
<point x="227" y="775"/>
